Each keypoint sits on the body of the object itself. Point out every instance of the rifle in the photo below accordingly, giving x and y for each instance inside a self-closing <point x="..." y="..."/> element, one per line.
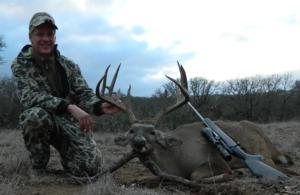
<point x="227" y="147"/>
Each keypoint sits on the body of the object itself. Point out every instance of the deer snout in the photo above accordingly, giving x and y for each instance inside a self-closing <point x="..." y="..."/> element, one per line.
<point x="139" y="142"/>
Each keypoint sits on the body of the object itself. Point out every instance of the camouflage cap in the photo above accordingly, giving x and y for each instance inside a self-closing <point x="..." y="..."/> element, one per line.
<point x="41" y="18"/>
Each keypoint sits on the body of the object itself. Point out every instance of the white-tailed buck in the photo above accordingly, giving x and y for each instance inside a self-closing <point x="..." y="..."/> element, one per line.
<point x="184" y="154"/>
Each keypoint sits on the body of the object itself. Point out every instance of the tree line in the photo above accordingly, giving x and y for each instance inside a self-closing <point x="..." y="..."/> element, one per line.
<point x="259" y="99"/>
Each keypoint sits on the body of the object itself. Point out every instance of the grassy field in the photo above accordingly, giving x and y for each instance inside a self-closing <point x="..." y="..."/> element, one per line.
<point x="133" y="178"/>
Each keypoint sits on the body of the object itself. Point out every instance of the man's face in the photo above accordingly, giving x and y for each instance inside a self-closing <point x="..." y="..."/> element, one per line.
<point x="43" y="39"/>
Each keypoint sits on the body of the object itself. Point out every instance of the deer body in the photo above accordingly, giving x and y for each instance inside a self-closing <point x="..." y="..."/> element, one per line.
<point x="185" y="158"/>
<point x="193" y="154"/>
<point x="186" y="153"/>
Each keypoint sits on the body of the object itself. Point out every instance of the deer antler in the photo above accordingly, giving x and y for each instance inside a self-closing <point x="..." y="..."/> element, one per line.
<point x="128" y="104"/>
<point x="112" y="97"/>
<point x="182" y="94"/>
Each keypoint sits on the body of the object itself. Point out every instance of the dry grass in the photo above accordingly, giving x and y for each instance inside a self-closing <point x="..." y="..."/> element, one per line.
<point x="7" y="188"/>
<point x="13" y="156"/>
<point x="13" y="161"/>
<point x="106" y="185"/>
<point x="285" y="136"/>
<point x="16" y="177"/>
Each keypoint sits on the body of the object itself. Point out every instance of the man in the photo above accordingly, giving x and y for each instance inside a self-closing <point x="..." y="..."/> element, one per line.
<point x="57" y="103"/>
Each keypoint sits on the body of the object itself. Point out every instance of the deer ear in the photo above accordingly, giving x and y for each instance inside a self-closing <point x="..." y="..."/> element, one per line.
<point x="166" y="140"/>
<point x="121" y="140"/>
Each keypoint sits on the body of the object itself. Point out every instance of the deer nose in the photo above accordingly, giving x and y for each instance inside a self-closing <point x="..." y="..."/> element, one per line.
<point x="139" y="141"/>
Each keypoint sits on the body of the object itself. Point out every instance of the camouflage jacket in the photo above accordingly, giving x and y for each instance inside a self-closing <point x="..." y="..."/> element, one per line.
<point x="34" y="90"/>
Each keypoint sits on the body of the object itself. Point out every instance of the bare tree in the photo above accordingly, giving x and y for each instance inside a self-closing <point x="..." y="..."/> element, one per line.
<point x="258" y="98"/>
<point x="286" y="94"/>
<point x="241" y="97"/>
<point x="10" y="106"/>
<point x="2" y="45"/>
<point x="201" y="89"/>
<point x="274" y="103"/>
<point x="296" y="90"/>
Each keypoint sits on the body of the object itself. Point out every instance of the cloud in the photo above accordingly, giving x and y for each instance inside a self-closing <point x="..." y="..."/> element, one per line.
<point x="234" y="36"/>
<point x="93" y="43"/>
<point x="214" y="39"/>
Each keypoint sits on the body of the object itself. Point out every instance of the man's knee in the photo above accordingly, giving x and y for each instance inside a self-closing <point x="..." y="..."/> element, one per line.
<point x="36" y="118"/>
<point x="85" y="165"/>
<point x="36" y="124"/>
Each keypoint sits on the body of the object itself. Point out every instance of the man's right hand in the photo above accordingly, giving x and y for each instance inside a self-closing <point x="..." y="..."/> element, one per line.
<point x="108" y="108"/>
<point x="85" y="120"/>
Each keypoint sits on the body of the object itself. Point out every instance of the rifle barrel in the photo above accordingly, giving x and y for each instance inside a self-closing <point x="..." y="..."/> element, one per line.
<point x="198" y="114"/>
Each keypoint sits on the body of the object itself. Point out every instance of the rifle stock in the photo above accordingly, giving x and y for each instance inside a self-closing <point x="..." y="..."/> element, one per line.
<point x="227" y="146"/>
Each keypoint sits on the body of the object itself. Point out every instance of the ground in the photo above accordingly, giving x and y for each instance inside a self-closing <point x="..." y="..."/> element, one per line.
<point x="133" y="178"/>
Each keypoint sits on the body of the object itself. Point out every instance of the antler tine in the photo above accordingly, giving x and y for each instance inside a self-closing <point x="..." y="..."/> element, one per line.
<point x="114" y="80"/>
<point x="104" y="80"/>
<point x="182" y="94"/>
<point x="183" y="78"/>
<point x="97" y="88"/>
<point x="114" y="100"/>
<point x="104" y="77"/>
<point x="128" y="104"/>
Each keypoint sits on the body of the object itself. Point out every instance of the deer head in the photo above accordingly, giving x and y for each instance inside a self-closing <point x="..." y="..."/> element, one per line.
<point x="143" y="133"/>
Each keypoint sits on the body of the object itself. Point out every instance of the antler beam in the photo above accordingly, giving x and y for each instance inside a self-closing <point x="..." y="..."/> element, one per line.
<point x="182" y="94"/>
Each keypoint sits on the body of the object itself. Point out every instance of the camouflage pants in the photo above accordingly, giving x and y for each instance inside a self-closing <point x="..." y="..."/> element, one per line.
<point x="78" y="151"/>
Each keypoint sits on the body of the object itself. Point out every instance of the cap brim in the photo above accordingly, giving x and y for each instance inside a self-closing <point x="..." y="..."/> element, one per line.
<point x="51" y="23"/>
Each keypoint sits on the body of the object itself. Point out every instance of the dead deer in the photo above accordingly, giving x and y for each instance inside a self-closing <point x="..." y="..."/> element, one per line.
<point x="184" y="155"/>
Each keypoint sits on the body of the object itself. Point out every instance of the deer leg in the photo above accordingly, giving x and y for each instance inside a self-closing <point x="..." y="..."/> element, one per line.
<point x="116" y="165"/>
<point x="124" y="159"/>
<point x="218" y="178"/>
<point x="216" y="169"/>
<point x="227" y="176"/>
<point x="154" y="168"/>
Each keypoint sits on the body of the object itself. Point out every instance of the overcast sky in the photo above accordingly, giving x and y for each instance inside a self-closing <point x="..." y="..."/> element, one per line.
<point x="214" y="39"/>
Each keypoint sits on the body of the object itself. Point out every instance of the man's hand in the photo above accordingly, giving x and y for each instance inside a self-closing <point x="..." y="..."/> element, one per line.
<point x="109" y="108"/>
<point x="85" y="120"/>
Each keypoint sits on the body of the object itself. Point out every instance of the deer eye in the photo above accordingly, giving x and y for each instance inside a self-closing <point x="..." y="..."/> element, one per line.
<point x="131" y="131"/>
